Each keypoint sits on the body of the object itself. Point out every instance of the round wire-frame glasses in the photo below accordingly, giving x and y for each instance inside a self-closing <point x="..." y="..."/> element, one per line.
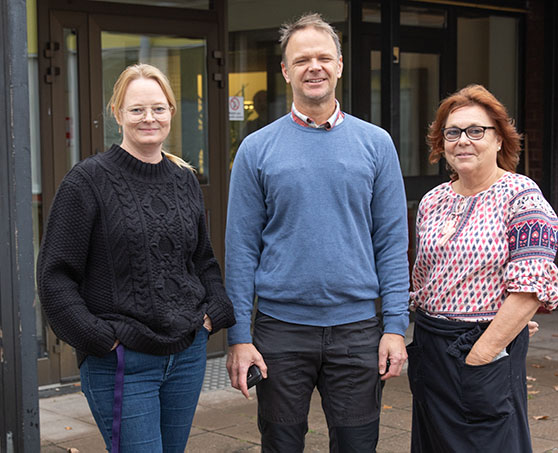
<point x="138" y="113"/>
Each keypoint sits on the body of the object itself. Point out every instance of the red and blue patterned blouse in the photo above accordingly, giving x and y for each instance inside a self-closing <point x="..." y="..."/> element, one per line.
<point x="473" y="251"/>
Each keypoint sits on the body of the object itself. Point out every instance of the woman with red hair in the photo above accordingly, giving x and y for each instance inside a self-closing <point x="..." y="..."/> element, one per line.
<point x="486" y="243"/>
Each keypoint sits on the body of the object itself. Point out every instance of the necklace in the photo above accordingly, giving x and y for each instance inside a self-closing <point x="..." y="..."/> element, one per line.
<point x="450" y="227"/>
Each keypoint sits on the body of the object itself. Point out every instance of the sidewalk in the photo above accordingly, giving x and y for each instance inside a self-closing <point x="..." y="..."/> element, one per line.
<point x="226" y="423"/>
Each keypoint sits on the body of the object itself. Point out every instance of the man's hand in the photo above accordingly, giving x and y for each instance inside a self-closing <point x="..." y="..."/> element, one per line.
<point x="241" y="356"/>
<point x="392" y="347"/>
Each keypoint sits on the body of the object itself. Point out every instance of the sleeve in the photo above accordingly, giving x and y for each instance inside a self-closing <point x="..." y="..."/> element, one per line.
<point x="390" y="239"/>
<point x="219" y="306"/>
<point x="246" y="218"/>
<point x="61" y="268"/>
<point x="532" y="240"/>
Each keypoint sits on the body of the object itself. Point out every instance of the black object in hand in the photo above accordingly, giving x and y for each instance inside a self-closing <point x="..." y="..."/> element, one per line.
<point x="254" y="376"/>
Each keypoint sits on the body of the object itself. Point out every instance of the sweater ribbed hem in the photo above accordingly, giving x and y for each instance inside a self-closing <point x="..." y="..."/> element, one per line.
<point x="146" y="345"/>
<point x="128" y="335"/>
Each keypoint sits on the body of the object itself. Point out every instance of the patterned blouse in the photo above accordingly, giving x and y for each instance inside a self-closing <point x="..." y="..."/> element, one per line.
<point x="473" y="251"/>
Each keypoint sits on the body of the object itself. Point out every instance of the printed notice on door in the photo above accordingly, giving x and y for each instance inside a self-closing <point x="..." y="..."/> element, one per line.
<point x="236" y="108"/>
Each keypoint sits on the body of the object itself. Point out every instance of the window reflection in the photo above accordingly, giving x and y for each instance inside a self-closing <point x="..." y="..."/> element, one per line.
<point x="422" y="17"/>
<point x="419" y="95"/>
<point x="376" y="87"/>
<point x="487" y="54"/>
<point x="184" y="62"/>
<point x="258" y="93"/>
<point x="72" y="96"/>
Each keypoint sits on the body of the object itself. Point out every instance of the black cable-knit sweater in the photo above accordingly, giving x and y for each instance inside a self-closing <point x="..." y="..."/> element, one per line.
<point x="126" y="256"/>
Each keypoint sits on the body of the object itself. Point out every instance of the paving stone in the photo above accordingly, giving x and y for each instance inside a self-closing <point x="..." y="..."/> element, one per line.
<point x="316" y="442"/>
<point x="544" y="445"/>
<point x="246" y="431"/>
<point x="212" y="420"/>
<point x="56" y="428"/>
<point x="395" y="444"/>
<point x="544" y="429"/>
<point x="397" y="399"/>
<point x="88" y="444"/>
<point x="396" y="418"/>
<point x="49" y="447"/>
<point x="60" y="404"/>
<point x="219" y="443"/>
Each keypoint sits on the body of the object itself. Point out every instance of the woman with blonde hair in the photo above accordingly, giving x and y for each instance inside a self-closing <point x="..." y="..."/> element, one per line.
<point x="127" y="275"/>
<point x="486" y="243"/>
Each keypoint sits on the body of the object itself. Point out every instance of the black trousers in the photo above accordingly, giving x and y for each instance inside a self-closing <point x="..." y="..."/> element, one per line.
<point x="341" y="361"/>
<point x="462" y="408"/>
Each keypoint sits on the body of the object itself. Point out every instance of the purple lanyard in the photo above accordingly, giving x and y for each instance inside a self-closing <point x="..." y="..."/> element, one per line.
<point x="118" y="396"/>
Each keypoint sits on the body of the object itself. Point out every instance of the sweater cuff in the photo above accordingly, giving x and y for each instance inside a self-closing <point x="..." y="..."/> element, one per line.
<point x="396" y="323"/>
<point x="104" y="339"/>
<point x="221" y="313"/>
<point x="239" y="333"/>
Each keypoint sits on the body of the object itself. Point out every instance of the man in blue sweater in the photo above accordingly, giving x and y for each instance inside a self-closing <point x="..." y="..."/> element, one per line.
<point x="317" y="230"/>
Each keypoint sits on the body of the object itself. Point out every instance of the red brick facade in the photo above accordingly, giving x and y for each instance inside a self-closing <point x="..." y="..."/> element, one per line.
<point x="534" y="90"/>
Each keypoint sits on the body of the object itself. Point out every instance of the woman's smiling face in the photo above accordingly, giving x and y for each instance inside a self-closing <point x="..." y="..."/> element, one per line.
<point x="468" y="157"/>
<point x="149" y="133"/>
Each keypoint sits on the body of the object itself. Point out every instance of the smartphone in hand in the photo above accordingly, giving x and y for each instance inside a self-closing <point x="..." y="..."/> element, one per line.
<point x="254" y="376"/>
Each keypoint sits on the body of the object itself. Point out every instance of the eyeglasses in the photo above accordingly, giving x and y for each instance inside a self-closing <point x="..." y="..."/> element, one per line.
<point x="452" y="134"/>
<point x="139" y="113"/>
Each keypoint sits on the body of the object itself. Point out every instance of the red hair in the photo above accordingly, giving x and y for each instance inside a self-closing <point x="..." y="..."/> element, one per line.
<point x="508" y="156"/>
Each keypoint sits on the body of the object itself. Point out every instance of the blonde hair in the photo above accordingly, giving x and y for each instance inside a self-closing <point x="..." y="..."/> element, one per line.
<point x="306" y="20"/>
<point x="144" y="71"/>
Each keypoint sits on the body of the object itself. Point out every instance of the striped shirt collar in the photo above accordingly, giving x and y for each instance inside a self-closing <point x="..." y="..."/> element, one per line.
<point x="335" y="119"/>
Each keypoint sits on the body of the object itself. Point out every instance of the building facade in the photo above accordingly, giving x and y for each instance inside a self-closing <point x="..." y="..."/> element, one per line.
<point x="223" y="60"/>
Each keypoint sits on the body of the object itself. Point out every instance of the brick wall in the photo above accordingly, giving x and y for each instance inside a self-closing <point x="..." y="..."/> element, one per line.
<point x="534" y="89"/>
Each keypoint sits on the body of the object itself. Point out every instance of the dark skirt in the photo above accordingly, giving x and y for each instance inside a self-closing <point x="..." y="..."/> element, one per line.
<point x="461" y="408"/>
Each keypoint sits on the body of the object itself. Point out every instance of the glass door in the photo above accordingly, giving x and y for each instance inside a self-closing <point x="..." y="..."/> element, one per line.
<point x="420" y="53"/>
<point x="183" y="60"/>
<point x="85" y="53"/>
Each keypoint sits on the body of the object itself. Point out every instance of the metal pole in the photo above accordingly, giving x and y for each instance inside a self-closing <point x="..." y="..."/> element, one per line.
<point x="390" y="69"/>
<point x="19" y="408"/>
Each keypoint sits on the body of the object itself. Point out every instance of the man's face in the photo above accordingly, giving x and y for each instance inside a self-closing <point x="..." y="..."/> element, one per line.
<point x="312" y="67"/>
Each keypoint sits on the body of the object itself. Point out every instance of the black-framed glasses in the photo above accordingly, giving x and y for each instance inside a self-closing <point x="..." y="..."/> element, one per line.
<point x="452" y="134"/>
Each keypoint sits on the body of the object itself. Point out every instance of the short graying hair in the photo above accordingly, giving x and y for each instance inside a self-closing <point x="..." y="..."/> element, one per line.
<point x="306" y="20"/>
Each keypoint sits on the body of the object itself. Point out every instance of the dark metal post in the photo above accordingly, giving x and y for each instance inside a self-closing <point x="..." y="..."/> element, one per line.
<point x="19" y="408"/>
<point x="390" y="68"/>
<point x="359" y="72"/>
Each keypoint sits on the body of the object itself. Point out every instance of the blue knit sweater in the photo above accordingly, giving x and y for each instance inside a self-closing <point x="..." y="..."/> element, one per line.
<point x="317" y="227"/>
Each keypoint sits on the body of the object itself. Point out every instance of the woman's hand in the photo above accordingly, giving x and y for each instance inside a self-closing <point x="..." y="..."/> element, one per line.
<point x="477" y="356"/>
<point x="207" y="323"/>
<point x="514" y="314"/>
<point x="115" y="345"/>
<point x="533" y="327"/>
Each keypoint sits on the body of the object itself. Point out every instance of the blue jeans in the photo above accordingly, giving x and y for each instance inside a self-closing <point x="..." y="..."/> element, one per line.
<point x="160" y="396"/>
